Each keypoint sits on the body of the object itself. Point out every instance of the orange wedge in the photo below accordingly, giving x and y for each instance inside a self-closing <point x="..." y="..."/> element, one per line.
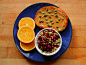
<point x="26" y="34"/>
<point x="27" y="21"/>
<point x="29" y="46"/>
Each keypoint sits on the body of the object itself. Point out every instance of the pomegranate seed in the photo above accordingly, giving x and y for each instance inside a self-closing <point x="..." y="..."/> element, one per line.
<point x="50" y="49"/>
<point x="46" y="44"/>
<point x="47" y="49"/>
<point x="44" y="48"/>
<point x="39" y="38"/>
<point x="52" y="34"/>
<point x="45" y="39"/>
<point x="57" y="36"/>
<point x="39" y="42"/>
<point x="42" y="39"/>
<point x="51" y="41"/>
<point x="57" y="46"/>
<point x="54" y="40"/>
<point x="44" y="32"/>
<point x="52" y="46"/>
<point x="39" y="46"/>
<point x="52" y="31"/>
<point x="49" y="36"/>
<point x="54" y="37"/>
<point x="48" y="30"/>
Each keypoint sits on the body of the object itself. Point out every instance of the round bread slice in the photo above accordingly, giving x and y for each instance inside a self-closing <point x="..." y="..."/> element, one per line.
<point x="51" y="17"/>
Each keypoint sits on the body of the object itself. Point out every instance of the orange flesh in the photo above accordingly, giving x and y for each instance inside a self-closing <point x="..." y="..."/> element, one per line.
<point x="29" y="46"/>
<point x="26" y="34"/>
<point x="26" y="21"/>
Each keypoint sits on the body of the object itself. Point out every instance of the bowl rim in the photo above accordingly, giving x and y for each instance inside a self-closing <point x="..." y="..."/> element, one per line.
<point x="46" y="54"/>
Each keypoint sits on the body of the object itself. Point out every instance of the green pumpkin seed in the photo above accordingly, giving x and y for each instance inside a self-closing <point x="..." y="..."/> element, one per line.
<point x="46" y="18"/>
<point x="51" y="20"/>
<point x="39" y="16"/>
<point x="57" y="26"/>
<point x="47" y="21"/>
<point x="45" y="15"/>
<point x="56" y="15"/>
<point x="46" y="30"/>
<point x="62" y="29"/>
<point x="49" y="16"/>
<point x="59" y="29"/>
<point x="49" y="11"/>
<point x="50" y="33"/>
<point x="58" y="19"/>
<point x="49" y="25"/>
<point x="40" y="11"/>
<point x="41" y="21"/>
<point x="43" y="12"/>
<point x="55" y="10"/>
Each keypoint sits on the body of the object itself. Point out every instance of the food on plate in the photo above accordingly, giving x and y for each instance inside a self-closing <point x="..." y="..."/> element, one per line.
<point x="26" y="34"/>
<point x="28" y="47"/>
<point x="48" y="40"/>
<point x="27" y="21"/>
<point x="51" y="17"/>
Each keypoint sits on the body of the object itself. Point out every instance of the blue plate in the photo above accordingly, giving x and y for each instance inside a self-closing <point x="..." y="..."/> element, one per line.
<point x="34" y="55"/>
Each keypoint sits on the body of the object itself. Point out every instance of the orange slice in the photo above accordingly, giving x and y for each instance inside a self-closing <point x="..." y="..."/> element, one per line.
<point x="29" y="46"/>
<point x="26" y="34"/>
<point x="27" y="21"/>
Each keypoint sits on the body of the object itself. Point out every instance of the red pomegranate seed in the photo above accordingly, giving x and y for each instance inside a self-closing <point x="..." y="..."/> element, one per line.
<point x="52" y="34"/>
<point x="48" y="30"/>
<point x="49" y="36"/>
<point x="47" y="50"/>
<point x="46" y="44"/>
<point x="39" y="46"/>
<point x="52" y="47"/>
<point x="45" y="39"/>
<point x="39" y="38"/>
<point x="51" y="41"/>
<point x="54" y="40"/>
<point x="44" y="48"/>
<point x="42" y="39"/>
<point x="39" y="42"/>
<point x="52" y="31"/>
<point x="54" y="37"/>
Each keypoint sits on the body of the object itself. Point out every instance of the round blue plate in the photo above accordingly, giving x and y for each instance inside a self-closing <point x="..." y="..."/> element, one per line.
<point x="34" y="55"/>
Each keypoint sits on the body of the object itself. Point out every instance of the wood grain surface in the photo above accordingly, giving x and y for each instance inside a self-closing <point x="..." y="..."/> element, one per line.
<point x="74" y="55"/>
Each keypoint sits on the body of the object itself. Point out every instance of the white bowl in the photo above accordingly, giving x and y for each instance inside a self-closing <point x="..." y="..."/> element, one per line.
<point x="43" y="53"/>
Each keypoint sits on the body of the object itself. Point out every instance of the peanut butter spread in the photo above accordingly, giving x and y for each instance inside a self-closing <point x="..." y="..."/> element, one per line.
<point x="51" y="17"/>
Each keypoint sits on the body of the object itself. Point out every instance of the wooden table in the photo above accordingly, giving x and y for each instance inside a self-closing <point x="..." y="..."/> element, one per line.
<point x="74" y="55"/>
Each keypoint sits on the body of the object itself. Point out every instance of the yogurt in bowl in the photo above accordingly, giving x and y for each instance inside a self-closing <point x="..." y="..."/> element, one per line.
<point x="48" y="41"/>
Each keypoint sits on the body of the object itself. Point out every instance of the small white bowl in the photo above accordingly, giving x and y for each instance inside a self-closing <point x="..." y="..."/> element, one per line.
<point x="43" y="53"/>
